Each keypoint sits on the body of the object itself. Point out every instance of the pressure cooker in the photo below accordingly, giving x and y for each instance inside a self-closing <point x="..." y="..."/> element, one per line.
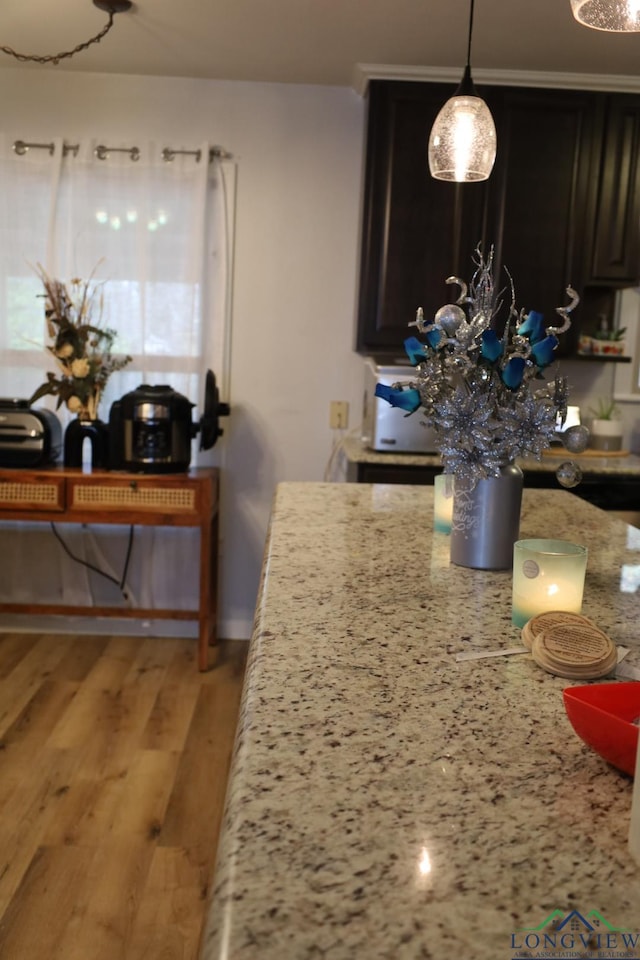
<point x="150" y="428"/>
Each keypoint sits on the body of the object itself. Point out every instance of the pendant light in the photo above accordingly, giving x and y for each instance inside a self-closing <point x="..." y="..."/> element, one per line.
<point x="614" y="16"/>
<point x="462" y="143"/>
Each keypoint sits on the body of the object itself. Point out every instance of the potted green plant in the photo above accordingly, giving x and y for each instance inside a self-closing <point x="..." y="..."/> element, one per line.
<point x="606" y="425"/>
<point x="608" y="343"/>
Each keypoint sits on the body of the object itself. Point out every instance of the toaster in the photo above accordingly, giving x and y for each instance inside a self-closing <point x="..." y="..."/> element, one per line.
<point x="389" y="428"/>
<point x="28" y="437"/>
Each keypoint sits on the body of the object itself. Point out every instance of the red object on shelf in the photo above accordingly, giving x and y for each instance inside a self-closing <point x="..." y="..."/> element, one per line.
<point x="608" y="348"/>
<point x="603" y="716"/>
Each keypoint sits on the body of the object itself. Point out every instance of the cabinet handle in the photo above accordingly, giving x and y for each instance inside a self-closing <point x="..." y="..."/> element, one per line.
<point x="134" y="485"/>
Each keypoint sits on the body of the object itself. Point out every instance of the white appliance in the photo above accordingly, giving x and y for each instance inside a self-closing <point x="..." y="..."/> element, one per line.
<point x="388" y="428"/>
<point x="571" y="420"/>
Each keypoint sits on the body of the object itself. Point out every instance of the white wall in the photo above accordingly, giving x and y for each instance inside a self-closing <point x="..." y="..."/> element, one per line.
<point x="298" y="151"/>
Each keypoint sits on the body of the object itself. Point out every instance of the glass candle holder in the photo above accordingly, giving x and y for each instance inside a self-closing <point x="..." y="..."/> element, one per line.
<point x="443" y="502"/>
<point x="547" y="575"/>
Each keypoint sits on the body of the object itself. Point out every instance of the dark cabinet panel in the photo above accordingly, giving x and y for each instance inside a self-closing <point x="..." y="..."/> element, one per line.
<point x="417" y="231"/>
<point x="547" y="156"/>
<point x="616" y="242"/>
<point x="607" y="491"/>
<point x="379" y="473"/>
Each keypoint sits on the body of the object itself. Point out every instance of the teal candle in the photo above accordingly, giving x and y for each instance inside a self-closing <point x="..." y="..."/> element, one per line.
<point x="443" y="502"/>
<point x="547" y="575"/>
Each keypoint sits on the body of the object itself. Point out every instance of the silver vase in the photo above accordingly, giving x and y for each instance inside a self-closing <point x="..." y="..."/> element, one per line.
<point x="486" y="521"/>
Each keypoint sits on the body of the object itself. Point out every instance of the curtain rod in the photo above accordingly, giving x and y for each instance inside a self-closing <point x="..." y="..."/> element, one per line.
<point x="20" y="147"/>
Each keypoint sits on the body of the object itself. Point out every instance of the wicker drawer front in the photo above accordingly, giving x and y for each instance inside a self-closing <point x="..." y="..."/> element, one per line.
<point x="32" y="495"/>
<point x="137" y="496"/>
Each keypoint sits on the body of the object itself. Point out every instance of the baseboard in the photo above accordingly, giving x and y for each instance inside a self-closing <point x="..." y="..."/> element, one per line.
<point x="24" y="623"/>
<point x="236" y="629"/>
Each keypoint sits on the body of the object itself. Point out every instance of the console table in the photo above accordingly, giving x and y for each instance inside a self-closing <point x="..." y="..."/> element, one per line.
<point x="62" y="495"/>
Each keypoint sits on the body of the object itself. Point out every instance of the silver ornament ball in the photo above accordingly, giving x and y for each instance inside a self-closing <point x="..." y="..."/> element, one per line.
<point x="569" y="474"/>
<point x="449" y="318"/>
<point x="575" y="439"/>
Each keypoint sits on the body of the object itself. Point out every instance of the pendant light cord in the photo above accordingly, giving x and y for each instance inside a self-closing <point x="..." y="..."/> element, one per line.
<point x="470" y="32"/>
<point x="467" y="87"/>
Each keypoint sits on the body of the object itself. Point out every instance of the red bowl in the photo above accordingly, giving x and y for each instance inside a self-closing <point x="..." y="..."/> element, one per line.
<point x="602" y="715"/>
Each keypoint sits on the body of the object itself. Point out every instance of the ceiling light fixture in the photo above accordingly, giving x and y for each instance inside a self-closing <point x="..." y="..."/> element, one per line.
<point x="613" y="16"/>
<point x="109" y="6"/>
<point x="462" y="143"/>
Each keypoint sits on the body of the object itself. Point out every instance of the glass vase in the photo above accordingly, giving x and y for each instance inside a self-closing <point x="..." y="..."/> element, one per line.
<point x="486" y="521"/>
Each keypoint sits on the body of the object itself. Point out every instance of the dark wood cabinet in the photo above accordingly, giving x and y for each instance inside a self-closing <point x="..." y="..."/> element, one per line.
<point x="562" y="206"/>
<point x="615" y="249"/>
<point x="538" y="195"/>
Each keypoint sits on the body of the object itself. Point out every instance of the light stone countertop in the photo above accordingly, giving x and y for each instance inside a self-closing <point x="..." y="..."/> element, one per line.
<point x="386" y="801"/>
<point x="629" y="465"/>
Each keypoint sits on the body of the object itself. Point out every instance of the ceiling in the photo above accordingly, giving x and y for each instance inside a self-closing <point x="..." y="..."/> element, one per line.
<point x="315" y="41"/>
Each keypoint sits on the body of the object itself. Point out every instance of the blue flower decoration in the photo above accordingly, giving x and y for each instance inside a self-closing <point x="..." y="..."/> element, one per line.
<point x="491" y="346"/>
<point x="408" y="400"/>
<point x="415" y="350"/>
<point x="543" y="350"/>
<point x="532" y="327"/>
<point x="433" y="337"/>
<point x="513" y="372"/>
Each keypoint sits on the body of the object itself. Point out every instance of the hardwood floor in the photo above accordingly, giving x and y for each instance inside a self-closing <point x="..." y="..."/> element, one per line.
<point x="114" y="754"/>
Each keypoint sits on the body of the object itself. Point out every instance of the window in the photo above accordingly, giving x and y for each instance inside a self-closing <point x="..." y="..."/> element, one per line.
<point x="153" y="231"/>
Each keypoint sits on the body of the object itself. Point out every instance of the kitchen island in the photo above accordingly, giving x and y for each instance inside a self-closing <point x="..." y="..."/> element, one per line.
<point x="386" y="800"/>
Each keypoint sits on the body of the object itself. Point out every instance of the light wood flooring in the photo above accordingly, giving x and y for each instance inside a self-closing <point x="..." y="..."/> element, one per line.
<point x="114" y="754"/>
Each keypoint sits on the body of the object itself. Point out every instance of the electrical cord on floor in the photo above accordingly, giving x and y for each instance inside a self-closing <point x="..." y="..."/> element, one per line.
<point x="85" y="563"/>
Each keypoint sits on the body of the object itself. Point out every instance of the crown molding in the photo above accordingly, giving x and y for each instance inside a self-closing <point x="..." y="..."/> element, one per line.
<point x="364" y="72"/>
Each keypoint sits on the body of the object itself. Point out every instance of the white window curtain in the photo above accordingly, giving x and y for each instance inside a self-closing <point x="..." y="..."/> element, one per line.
<point x="157" y="234"/>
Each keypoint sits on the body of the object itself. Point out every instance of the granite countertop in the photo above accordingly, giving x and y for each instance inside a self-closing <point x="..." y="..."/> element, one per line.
<point x="386" y="801"/>
<point x="629" y="465"/>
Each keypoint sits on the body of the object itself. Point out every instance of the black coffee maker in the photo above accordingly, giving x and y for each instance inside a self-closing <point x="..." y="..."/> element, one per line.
<point x="150" y="428"/>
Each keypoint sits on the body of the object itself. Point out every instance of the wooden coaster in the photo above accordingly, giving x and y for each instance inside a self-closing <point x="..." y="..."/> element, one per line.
<point x="550" y="618"/>
<point x="577" y="651"/>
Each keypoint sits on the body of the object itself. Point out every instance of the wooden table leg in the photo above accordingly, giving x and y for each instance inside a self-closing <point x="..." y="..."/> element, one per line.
<point x="208" y="614"/>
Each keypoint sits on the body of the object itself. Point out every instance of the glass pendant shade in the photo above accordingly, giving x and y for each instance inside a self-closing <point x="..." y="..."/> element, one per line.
<point x="462" y="143"/>
<point x="614" y="16"/>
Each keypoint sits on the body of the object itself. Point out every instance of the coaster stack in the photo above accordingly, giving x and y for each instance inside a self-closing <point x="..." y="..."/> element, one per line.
<point x="569" y="645"/>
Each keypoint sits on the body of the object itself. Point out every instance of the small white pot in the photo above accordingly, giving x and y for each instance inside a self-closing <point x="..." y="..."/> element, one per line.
<point x="607" y="348"/>
<point x="606" y="435"/>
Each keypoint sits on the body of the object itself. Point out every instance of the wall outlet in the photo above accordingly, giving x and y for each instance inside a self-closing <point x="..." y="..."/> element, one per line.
<point x="338" y="414"/>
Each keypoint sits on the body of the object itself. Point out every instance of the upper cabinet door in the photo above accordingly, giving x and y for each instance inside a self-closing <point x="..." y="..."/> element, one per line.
<point x="615" y="250"/>
<point x="416" y="231"/>
<point x="548" y="154"/>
